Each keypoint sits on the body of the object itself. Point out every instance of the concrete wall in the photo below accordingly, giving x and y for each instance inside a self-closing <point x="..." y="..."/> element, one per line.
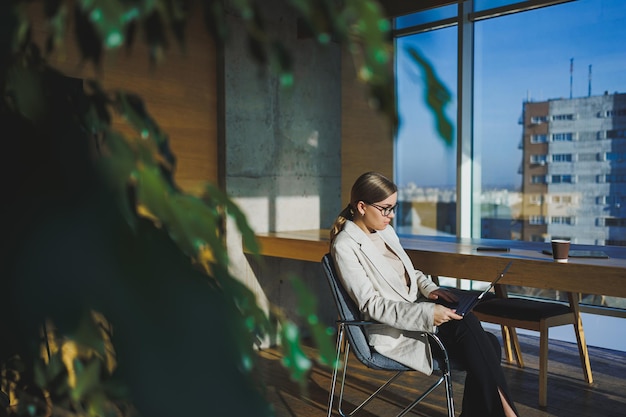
<point x="283" y="155"/>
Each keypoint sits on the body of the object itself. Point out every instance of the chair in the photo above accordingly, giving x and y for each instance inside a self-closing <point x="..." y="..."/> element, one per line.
<point x="351" y="326"/>
<point x="524" y="313"/>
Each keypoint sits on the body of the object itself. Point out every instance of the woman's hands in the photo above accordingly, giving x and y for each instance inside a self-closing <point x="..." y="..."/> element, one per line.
<point x="443" y="294"/>
<point x="443" y="314"/>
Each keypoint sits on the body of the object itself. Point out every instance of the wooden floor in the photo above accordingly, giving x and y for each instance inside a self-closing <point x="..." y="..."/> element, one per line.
<point x="568" y="393"/>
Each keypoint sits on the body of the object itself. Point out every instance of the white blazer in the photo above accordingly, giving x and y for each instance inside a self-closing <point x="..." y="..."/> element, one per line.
<point x="381" y="295"/>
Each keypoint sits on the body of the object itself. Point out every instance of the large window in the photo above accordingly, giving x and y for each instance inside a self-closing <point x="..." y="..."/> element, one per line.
<point x="526" y="88"/>
<point x="426" y="168"/>
<point x="534" y="105"/>
<point x="545" y="117"/>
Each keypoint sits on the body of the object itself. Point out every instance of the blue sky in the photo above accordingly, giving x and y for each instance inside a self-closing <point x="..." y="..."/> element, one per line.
<point x="517" y="56"/>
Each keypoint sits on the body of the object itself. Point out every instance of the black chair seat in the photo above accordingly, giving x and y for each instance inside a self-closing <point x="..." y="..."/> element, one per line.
<point x="535" y="315"/>
<point x="521" y="308"/>
<point x="381" y="362"/>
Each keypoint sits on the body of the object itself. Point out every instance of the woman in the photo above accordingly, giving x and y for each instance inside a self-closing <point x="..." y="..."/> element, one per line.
<point x="379" y="276"/>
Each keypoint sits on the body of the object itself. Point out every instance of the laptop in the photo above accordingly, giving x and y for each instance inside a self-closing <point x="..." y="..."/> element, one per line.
<point x="468" y="301"/>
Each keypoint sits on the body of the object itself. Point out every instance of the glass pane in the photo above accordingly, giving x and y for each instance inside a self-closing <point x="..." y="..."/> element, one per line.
<point x="427" y="16"/>
<point x="550" y="125"/>
<point x="482" y="5"/>
<point x="425" y="164"/>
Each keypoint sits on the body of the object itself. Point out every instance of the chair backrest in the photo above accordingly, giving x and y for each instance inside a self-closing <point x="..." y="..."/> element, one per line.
<point x="348" y="311"/>
<point x="346" y="306"/>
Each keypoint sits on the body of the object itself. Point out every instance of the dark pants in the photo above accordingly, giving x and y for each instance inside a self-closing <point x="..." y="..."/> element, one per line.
<point x="474" y="350"/>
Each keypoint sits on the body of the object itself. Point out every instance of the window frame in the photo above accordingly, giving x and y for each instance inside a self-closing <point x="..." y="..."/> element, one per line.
<point x="467" y="188"/>
<point x="468" y="213"/>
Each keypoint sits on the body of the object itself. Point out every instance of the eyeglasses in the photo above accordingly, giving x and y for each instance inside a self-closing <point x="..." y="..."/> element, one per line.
<point x="385" y="211"/>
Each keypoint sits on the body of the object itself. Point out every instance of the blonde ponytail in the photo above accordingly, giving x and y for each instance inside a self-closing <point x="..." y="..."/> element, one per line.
<point x="345" y="215"/>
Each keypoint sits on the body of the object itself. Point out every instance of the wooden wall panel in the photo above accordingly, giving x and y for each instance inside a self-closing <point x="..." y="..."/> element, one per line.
<point x="366" y="135"/>
<point x="180" y="93"/>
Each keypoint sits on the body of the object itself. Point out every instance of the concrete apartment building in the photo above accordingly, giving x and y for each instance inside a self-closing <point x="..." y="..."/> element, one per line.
<point x="574" y="170"/>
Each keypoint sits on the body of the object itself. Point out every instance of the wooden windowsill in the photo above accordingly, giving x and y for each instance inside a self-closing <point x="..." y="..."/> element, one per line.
<point x="453" y="257"/>
<point x="303" y="245"/>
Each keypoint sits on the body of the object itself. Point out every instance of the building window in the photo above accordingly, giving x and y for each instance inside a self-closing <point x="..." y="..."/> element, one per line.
<point x="563" y="117"/>
<point x="562" y="137"/>
<point x="561" y="199"/>
<point x="614" y="221"/>
<point x="538" y="159"/>
<point x="562" y="157"/>
<point x="559" y="179"/>
<point x="536" y="220"/>
<point x="614" y="156"/>
<point x="614" y="178"/>
<point x="538" y="119"/>
<point x="538" y="138"/>
<point x="616" y="134"/>
<point x="612" y="113"/>
<point x="561" y="220"/>
<point x="536" y="199"/>
<point x="538" y="179"/>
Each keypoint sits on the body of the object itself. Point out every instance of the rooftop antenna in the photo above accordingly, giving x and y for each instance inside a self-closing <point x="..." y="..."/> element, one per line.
<point x="589" y="88"/>
<point x="571" y="76"/>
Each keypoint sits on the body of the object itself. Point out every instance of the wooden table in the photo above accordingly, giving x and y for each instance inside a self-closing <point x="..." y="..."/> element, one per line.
<point x="458" y="258"/>
<point x="452" y="257"/>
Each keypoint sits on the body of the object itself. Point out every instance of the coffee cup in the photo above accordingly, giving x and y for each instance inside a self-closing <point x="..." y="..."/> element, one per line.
<point x="560" y="250"/>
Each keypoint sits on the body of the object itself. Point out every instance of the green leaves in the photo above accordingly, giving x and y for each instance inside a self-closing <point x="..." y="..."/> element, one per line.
<point x="369" y="41"/>
<point x="436" y="96"/>
<point x="116" y="171"/>
<point x="87" y="380"/>
<point x="109" y="24"/>
<point x="293" y="356"/>
<point x="77" y="372"/>
<point x="143" y="164"/>
<point x="308" y="309"/>
<point x="359" y="25"/>
<point x="25" y="87"/>
<point x="134" y="161"/>
<point x="214" y="197"/>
